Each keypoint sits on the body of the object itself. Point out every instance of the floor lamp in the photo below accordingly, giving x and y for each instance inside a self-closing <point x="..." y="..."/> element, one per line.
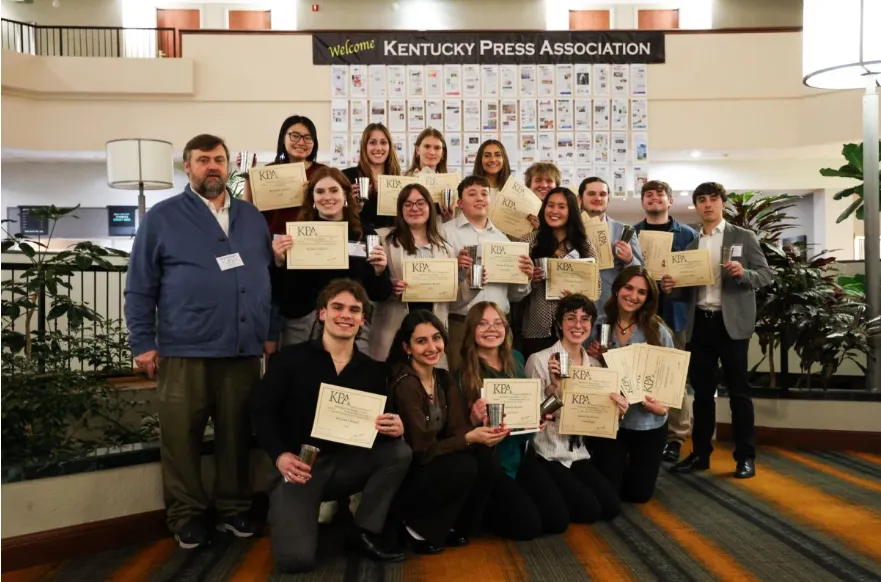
<point x="842" y="50"/>
<point x="140" y="164"/>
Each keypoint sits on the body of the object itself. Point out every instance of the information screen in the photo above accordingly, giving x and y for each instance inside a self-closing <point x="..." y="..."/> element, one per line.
<point x="121" y="220"/>
<point x="30" y="224"/>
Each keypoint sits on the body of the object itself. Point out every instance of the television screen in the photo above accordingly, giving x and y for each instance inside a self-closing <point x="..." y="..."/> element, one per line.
<point x="121" y="220"/>
<point x="32" y="225"/>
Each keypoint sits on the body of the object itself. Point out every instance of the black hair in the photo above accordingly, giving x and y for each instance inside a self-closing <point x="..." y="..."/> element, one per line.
<point x="472" y="181"/>
<point x="709" y="189"/>
<point x="413" y="320"/>
<point x="590" y="180"/>
<point x="571" y="304"/>
<point x="546" y="243"/>
<point x="281" y="153"/>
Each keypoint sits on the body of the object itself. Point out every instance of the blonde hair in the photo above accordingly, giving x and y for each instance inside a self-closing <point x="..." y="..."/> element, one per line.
<point x="542" y="169"/>
<point x="471" y="377"/>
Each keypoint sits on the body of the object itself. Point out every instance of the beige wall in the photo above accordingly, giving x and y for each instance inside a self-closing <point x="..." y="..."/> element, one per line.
<point x="755" y="13"/>
<point x="68" y="12"/>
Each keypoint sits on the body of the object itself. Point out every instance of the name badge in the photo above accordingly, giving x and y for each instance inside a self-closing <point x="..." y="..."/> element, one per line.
<point x="228" y="262"/>
<point x="736" y="250"/>
<point x="357" y="249"/>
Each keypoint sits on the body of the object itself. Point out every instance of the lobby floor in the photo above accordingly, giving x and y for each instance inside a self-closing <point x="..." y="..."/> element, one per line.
<point x="808" y="515"/>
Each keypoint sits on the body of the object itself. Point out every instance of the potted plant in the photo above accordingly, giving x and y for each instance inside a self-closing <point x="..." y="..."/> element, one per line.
<point x="853" y="154"/>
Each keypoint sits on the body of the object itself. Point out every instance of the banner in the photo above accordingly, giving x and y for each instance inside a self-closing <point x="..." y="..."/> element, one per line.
<point x="500" y="48"/>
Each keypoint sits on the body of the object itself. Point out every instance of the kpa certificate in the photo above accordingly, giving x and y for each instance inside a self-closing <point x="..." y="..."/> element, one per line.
<point x="587" y="409"/>
<point x="511" y="207"/>
<point x="502" y="262"/>
<point x="281" y="186"/>
<point x="319" y="245"/>
<point x="387" y="196"/>
<point x="521" y="397"/>
<point x="690" y="268"/>
<point x="347" y="416"/>
<point x="573" y="275"/>
<point x="431" y="280"/>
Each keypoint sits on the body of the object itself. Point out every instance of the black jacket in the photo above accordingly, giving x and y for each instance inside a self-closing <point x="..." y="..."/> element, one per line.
<point x="283" y="405"/>
<point x="368" y="212"/>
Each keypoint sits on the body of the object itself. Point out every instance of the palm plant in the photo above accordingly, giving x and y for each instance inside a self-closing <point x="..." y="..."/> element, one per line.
<point x="853" y="153"/>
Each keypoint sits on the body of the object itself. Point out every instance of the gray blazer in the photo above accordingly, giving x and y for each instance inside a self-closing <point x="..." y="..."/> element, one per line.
<point x="738" y="295"/>
<point x="608" y="276"/>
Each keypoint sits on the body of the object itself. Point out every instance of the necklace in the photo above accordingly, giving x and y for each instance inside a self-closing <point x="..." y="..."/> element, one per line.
<point x="346" y="361"/>
<point x="625" y="330"/>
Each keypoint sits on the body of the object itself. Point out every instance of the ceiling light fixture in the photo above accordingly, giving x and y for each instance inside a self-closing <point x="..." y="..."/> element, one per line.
<point x="683" y="193"/>
<point x="695" y="153"/>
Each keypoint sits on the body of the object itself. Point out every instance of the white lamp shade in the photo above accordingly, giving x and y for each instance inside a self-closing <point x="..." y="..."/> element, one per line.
<point x="132" y="162"/>
<point x="841" y="44"/>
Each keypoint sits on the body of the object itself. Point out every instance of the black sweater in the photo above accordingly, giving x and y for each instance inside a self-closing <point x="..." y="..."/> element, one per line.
<point x="368" y="212"/>
<point x="283" y="405"/>
<point x="296" y="291"/>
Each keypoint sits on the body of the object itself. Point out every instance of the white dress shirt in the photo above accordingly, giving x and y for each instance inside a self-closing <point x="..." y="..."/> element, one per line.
<point x="549" y="443"/>
<point x="710" y="296"/>
<point x="460" y="234"/>
<point x="221" y="215"/>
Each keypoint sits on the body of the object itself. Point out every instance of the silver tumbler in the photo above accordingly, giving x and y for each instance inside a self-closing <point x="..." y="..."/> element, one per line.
<point x="364" y="188"/>
<point x="372" y="242"/>
<point x="551" y="405"/>
<point x="563" y="358"/>
<point x="476" y="277"/>
<point x="542" y="264"/>
<point x="605" y="335"/>
<point x="627" y="233"/>
<point x="449" y="197"/>
<point x="495" y="413"/>
<point x="308" y="454"/>
<point x="246" y="162"/>
<point x="473" y="252"/>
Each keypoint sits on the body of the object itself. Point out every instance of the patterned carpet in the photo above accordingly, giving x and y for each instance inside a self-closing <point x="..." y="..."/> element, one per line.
<point x="813" y="516"/>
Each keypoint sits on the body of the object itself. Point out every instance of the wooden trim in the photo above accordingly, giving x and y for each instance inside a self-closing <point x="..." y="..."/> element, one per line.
<point x="808" y="438"/>
<point x="79" y="540"/>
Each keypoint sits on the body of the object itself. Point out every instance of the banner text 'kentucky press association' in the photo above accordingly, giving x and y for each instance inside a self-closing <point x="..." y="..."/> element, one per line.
<point x="422" y="48"/>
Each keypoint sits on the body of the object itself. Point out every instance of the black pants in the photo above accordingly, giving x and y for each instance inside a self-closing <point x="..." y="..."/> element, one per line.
<point x="450" y="492"/>
<point x="526" y="507"/>
<point x="631" y="462"/>
<point x="588" y="495"/>
<point x="711" y="343"/>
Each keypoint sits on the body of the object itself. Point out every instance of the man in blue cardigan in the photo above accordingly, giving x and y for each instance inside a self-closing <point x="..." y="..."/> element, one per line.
<point x="657" y="199"/>
<point x="200" y="316"/>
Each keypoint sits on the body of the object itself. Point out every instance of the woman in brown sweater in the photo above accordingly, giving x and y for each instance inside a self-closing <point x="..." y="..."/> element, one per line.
<point x="442" y="499"/>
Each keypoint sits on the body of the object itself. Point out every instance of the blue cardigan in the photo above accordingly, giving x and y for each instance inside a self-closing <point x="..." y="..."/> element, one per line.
<point x="204" y="312"/>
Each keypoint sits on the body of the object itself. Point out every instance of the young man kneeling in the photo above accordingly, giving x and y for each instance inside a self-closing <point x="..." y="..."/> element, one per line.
<point x="283" y="415"/>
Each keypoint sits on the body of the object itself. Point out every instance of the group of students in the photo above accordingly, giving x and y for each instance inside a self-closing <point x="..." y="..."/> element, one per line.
<point x="436" y="471"/>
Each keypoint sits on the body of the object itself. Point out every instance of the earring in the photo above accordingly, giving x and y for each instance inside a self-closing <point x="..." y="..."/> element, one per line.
<point x="345" y="203"/>
<point x="284" y="156"/>
<point x="315" y="205"/>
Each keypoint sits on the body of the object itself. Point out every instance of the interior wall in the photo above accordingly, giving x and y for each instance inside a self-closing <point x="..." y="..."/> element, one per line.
<point x="755" y="13"/>
<point x="68" y="12"/>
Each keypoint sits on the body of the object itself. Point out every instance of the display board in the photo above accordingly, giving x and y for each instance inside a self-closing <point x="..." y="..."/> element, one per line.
<point x="587" y="118"/>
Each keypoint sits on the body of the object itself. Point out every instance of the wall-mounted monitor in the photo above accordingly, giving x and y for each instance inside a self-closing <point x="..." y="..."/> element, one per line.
<point x="121" y="220"/>
<point x="31" y="225"/>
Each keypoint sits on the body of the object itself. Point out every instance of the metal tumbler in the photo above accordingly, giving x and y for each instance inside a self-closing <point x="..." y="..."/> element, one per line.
<point x="627" y="233"/>
<point x="246" y="162"/>
<point x="551" y="405"/>
<point x="605" y="335"/>
<point x="476" y="277"/>
<point x="495" y="413"/>
<point x="364" y="188"/>
<point x="372" y="242"/>
<point x="542" y="264"/>
<point x="449" y="197"/>
<point x="308" y="454"/>
<point x="473" y="252"/>
<point x="727" y="255"/>
<point x="563" y="358"/>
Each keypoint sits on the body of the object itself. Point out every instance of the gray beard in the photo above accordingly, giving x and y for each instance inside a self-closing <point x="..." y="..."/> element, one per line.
<point x="207" y="189"/>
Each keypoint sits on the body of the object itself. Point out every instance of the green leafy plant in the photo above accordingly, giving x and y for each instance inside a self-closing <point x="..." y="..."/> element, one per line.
<point x="853" y="153"/>
<point x="59" y="356"/>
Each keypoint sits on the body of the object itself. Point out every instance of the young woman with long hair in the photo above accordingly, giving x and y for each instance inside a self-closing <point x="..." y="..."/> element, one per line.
<point x="328" y="198"/>
<point x="588" y="494"/>
<point x="522" y="504"/>
<point x="377" y="158"/>
<point x="632" y="461"/>
<point x="560" y="234"/>
<point x="297" y="142"/>
<point x="442" y="500"/>
<point x="492" y="163"/>
<point x="415" y="235"/>
<point x="430" y="151"/>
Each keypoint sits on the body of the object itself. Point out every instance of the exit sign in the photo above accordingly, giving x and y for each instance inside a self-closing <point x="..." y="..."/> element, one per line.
<point x="315" y="8"/>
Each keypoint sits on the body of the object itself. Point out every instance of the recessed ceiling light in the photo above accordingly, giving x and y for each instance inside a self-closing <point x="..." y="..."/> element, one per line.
<point x="691" y="207"/>
<point x="683" y="193"/>
<point x="695" y="153"/>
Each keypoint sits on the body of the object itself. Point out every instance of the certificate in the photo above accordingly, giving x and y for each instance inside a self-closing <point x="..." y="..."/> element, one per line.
<point x="624" y="360"/>
<point x="347" y="416"/>
<point x="513" y="203"/>
<point x="587" y="409"/>
<point x="662" y="373"/>
<point x="281" y="186"/>
<point x="574" y="275"/>
<point x="600" y="239"/>
<point x="691" y="268"/>
<point x="319" y="245"/>
<point x="501" y="261"/>
<point x="389" y="189"/>
<point x="437" y="183"/>
<point x="522" y="399"/>
<point x="431" y="280"/>
<point x="655" y="248"/>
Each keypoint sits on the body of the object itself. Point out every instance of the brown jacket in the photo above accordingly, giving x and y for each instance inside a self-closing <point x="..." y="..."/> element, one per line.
<point x="412" y="404"/>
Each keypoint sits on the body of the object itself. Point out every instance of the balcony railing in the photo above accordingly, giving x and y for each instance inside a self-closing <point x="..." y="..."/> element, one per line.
<point x="89" y="41"/>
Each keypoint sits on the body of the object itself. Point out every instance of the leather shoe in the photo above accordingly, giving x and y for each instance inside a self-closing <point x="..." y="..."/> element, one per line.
<point x="455" y="539"/>
<point x="671" y="452"/>
<point x="364" y="543"/>
<point x="746" y="469"/>
<point x="691" y="463"/>
<point x="424" y="547"/>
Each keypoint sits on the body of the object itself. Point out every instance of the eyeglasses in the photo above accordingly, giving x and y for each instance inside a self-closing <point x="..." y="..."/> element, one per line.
<point x="498" y="324"/>
<point x="418" y="205"/>
<point x="297" y="137"/>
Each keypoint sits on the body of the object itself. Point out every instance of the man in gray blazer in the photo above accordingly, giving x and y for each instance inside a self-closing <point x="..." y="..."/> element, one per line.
<point x="594" y="195"/>
<point x="721" y="320"/>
